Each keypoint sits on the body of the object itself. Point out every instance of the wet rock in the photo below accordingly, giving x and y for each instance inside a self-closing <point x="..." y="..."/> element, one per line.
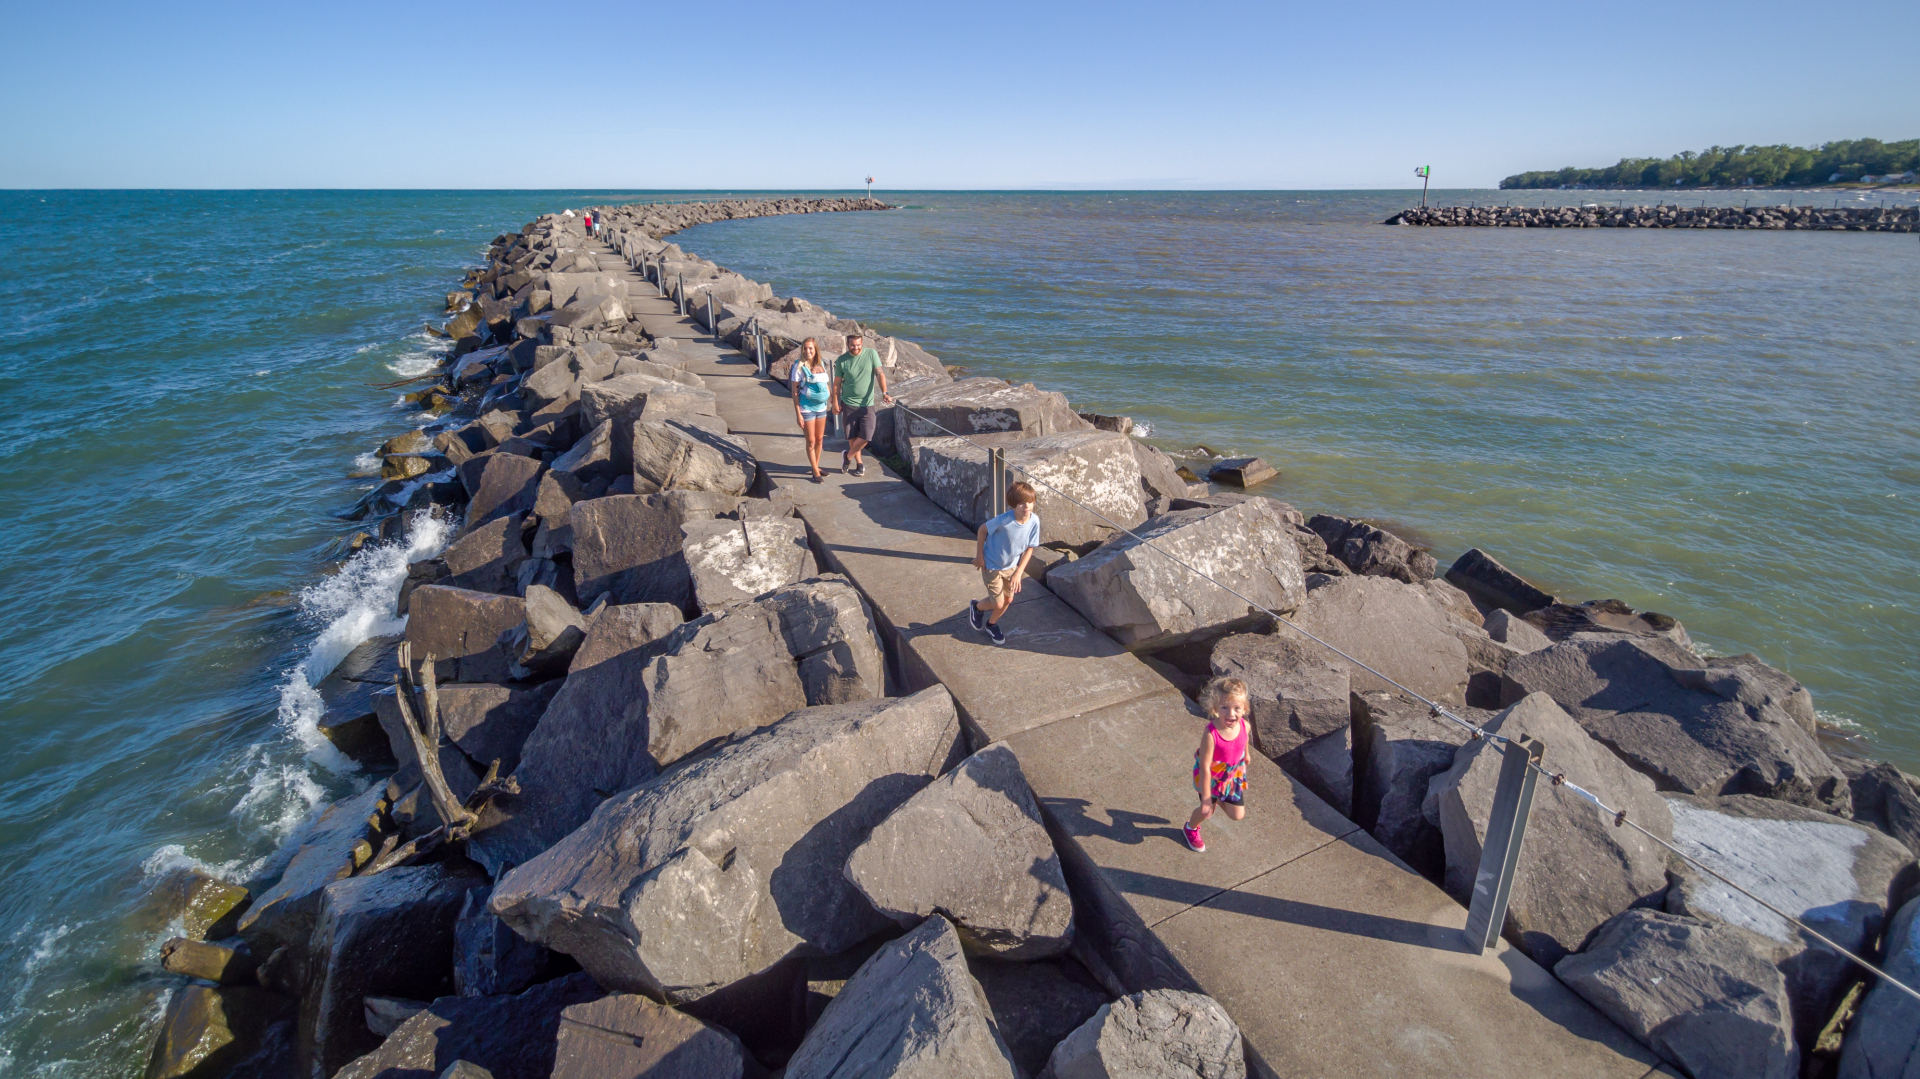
<point x="385" y="1014"/>
<point x="1695" y="728"/>
<point x="1884" y="1038"/>
<point x="1371" y="551"/>
<point x="971" y="847"/>
<point x="1145" y="601"/>
<point x="1606" y="616"/>
<point x="1036" y="1004"/>
<point x="207" y="1031"/>
<point x="626" y="1036"/>
<point x="1242" y="471"/>
<point x="1509" y="630"/>
<point x="719" y="868"/>
<point x="486" y="558"/>
<point x="677" y="454"/>
<point x="490" y="959"/>
<point x="1393" y="627"/>
<point x="201" y="904"/>
<point x="1098" y="467"/>
<point x="347" y="696"/>
<point x="388" y="935"/>
<point x="1833" y="874"/>
<point x="628" y="547"/>
<point x="731" y="562"/>
<point x="1403" y="748"/>
<point x="214" y="963"/>
<point x="913" y="1009"/>
<point x="546" y="641"/>
<point x="1884" y="797"/>
<point x="1481" y="576"/>
<point x="461" y="629"/>
<point x="1706" y="997"/>
<point x="1580" y="870"/>
<point x="510" y="1037"/>
<point x="1159" y="1034"/>
<point x="283" y="915"/>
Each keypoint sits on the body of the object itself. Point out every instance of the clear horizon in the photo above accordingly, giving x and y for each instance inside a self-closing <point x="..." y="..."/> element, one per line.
<point x="599" y="96"/>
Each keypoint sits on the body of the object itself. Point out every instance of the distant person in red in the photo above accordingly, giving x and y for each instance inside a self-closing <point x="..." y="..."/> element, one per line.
<point x="588" y="220"/>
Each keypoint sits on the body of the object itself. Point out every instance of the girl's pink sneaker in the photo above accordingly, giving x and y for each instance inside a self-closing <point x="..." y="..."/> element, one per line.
<point x="1193" y="838"/>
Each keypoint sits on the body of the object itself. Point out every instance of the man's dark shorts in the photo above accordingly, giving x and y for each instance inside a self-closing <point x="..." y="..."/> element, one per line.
<point x="861" y="421"/>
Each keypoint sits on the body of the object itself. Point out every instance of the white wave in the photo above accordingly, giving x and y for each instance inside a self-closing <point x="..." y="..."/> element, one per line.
<point x="1834" y="719"/>
<point x="1142" y="429"/>
<point x="47" y="948"/>
<point x="279" y="797"/>
<point x="367" y="462"/>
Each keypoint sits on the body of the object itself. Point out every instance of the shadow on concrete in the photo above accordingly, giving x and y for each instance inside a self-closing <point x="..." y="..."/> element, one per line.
<point x="1126" y="827"/>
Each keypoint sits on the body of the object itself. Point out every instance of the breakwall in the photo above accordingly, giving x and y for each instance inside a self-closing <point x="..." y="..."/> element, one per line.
<point x="1848" y="219"/>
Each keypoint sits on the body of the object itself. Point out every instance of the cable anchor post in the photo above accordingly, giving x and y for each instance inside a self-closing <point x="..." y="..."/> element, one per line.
<point x="1500" y="854"/>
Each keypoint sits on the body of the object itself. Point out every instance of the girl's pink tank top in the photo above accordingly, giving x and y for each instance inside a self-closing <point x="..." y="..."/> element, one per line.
<point x="1227" y="752"/>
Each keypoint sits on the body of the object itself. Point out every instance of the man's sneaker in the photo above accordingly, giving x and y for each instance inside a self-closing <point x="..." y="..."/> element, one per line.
<point x="1193" y="838"/>
<point x="975" y="617"/>
<point x="995" y="632"/>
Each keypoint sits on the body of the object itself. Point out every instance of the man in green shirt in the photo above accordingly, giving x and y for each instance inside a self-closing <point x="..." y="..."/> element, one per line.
<point x="854" y="374"/>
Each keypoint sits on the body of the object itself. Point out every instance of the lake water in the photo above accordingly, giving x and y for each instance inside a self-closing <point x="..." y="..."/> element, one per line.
<point x="1718" y="425"/>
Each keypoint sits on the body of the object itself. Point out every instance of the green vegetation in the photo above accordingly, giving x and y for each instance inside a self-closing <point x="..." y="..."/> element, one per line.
<point x="1742" y="166"/>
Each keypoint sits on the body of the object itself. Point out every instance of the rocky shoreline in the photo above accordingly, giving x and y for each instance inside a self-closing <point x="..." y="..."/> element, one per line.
<point x="1845" y="219"/>
<point x="655" y="804"/>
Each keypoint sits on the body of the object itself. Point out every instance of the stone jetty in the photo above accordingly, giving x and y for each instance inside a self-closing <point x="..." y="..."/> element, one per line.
<point x="689" y="765"/>
<point x="1837" y="219"/>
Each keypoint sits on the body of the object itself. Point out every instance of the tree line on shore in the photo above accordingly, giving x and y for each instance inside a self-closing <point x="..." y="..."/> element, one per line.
<point x="1845" y="161"/>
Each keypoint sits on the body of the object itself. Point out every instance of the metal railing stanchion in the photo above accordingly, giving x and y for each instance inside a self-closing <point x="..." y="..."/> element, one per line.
<point x="1500" y="854"/>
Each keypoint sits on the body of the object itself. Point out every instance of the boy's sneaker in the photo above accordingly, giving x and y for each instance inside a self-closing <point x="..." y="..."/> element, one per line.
<point x="975" y="617"/>
<point x="860" y="469"/>
<point x="994" y="632"/>
<point x="846" y="462"/>
<point x="1193" y="838"/>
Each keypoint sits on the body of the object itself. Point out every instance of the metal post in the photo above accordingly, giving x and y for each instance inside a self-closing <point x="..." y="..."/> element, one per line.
<point x="1500" y="853"/>
<point x="712" y="327"/>
<point x="998" y="479"/>
<point x="759" y="349"/>
<point x="680" y="293"/>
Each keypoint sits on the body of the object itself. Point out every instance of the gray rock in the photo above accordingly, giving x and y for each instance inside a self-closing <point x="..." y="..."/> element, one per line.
<point x="912" y="1010"/>
<point x="1326" y="767"/>
<point x="676" y="454"/>
<point x="385" y="935"/>
<point x="971" y="847"/>
<point x="626" y="1036"/>
<point x="1402" y="748"/>
<point x="510" y="1037"/>
<point x="1705" y="996"/>
<point x="731" y="562"/>
<point x="1509" y="630"/>
<point x="1884" y="797"/>
<point x="1883" y="1041"/>
<point x="1159" y="476"/>
<point x="1833" y="874"/>
<point x="719" y="868"/>
<point x="490" y="722"/>
<point x="209" y="1031"/>
<point x="214" y="963"/>
<point x="1145" y="601"/>
<point x="1299" y="690"/>
<point x="486" y="558"/>
<point x="1371" y="551"/>
<point x="566" y="287"/>
<point x="1580" y="870"/>
<point x="595" y="457"/>
<point x="1242" y="471"/>
<point x="1393" y="627"/>
<point x="1158" y="1034"/>
<point x="628" y="547"/>
<point x="488" y="958"/>
<point x="283" y="915"/>
<point x="1480" y="575"/>
<point x="384" y="1015"/>
<point x="1696" y="729"/>
<point x="346" y="694"/>
<point x="1606" y="616"/>
<point x="580" y="751"/>
<point x="1037" y="1004"/>
<point x="1098" y="467"/>
<point x="979" y="406"/>
<point x="508" y="485"/>
<point x="461" y="629"/>
<point x="545" y="642"/>
<point x="622" y="400"/>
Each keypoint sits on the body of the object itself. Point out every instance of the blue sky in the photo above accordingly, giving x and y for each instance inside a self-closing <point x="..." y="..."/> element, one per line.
<point x="986" y="94"/>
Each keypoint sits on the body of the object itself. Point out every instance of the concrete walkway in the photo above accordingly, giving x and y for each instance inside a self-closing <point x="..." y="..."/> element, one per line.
<point x="1333" y="956"/>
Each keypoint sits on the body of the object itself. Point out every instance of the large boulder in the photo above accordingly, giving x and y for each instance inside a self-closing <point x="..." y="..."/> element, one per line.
<point x="728" y="863"/>
<point x="490" y="959"/>
<point x="486" y="558"/>
<point x="387" y="935"/>
<point x="731" y="562"/>
<point x="509" y="484"/>
<point x="627" y="1036"/>
<point x="566" y="287"/>
<point x="461" y="629"/>
<point x="1837" y="876"/>
<point x="283" y="915"/>
<point x="1883" y="1041"/>
<point x="680" y="454"/>
<point x="1579" y="869"/>
<point x="1393" y="627"/>
<point x="1401" y="748"/>
<point x="595" y="457"/>
<point x="512" y="1037"/>
<point x="981" y="406"/>
<point x="1372" y="551"/>
<point x="1158" y="1034"/>
<point x="1705" y="996"/>
<point x="580" y="751"/>
<point x="1145" y="600"/>
<point x="913" y="1010"/>
<point x="208" y="1031"/>
<point x="1698" y="726"/>
<point x="972" y="847"/>
<point x="1300" y="694"/>
<point x="1606" y="616"/>
<point x="1482" y="576"/>
<point x="489" y="722"/>
<point x="1037" y="1003"/>
<point x="621" y="401"/>
<point x="629" y="547"/>
<point x="545" y="642"/>
<point x="1886" y="798"/>
<point x="1097" y="467"/>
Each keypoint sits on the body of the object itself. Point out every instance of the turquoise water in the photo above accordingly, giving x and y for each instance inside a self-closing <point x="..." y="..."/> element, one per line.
<point x="1720" y="425"/>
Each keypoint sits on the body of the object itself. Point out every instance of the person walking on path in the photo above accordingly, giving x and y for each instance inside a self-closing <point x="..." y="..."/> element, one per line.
<point x="812" y="386"/>
<point x="588" y="221"/>
<point x="1002" y="548"/>
<point x="854" y="375"/>
<point x="1220" y="764"/>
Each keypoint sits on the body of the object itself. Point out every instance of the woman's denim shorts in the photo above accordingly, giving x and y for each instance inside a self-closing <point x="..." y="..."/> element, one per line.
<point x="820" y="415"/>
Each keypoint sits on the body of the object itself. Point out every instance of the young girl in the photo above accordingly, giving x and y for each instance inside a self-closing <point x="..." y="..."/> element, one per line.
<point x="1220" y="764"/>
<point x="812" y="384"/>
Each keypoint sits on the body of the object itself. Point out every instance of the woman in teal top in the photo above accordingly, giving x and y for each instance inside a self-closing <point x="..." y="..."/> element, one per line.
<point x="812" y="385"/>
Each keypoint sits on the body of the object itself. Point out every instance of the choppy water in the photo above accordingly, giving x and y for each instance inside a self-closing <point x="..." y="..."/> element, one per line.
<point x="1720" y="425"/>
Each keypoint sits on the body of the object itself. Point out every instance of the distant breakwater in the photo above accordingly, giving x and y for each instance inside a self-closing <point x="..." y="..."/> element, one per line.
<point x="1851" y="219"/>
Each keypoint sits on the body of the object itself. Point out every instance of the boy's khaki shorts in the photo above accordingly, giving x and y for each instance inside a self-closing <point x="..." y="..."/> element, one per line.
<point x="999" y="582"/>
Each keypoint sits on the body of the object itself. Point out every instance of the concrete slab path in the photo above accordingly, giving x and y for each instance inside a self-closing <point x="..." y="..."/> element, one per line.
<point x="1334" y="957"/>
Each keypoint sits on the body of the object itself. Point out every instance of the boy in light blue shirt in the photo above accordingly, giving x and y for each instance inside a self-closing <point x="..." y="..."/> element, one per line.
<point x="1002" y="548"/>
